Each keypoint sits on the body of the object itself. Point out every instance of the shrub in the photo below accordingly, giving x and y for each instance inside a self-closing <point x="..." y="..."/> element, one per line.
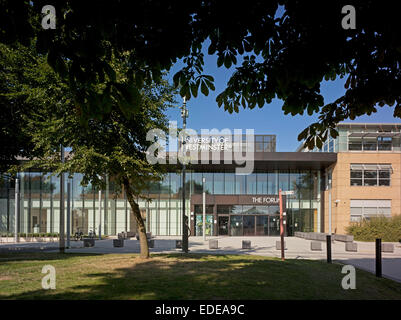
<point x="388" y="229"/>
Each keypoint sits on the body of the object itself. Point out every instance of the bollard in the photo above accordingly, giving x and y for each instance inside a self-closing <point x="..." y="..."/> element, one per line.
<point x="378" y="258"/>
<point x="328" y="243"/>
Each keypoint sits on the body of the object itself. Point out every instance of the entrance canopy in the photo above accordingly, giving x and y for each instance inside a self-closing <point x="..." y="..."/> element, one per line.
<point x="274" y="161"/>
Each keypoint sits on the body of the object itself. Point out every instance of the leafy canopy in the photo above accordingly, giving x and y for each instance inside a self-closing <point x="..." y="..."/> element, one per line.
<point x="288" y="47"/>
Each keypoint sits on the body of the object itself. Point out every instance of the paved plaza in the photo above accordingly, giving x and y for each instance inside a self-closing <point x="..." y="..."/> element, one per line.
<point x="296" y="248"/>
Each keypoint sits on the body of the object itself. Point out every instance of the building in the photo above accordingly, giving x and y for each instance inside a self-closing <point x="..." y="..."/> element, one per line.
<point x="366" y="179"/>
<point x="236" y="204"/>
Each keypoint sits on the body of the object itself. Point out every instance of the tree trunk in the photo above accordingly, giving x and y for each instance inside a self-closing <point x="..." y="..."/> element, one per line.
<point x="143" y="241"/>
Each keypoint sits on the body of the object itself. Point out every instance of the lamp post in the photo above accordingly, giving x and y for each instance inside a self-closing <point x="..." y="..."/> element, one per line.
<point x="280" y="194"/>
<point x="16" y="210"/>
<point x="329" y="177"/>
<point x="68" y="213"/>
<point x="204" y="208"/>
<point x="100" y="214"/>
<point x="283" y="221"/>
<point x="184" y="115"/>
<point x="62" y="222"/>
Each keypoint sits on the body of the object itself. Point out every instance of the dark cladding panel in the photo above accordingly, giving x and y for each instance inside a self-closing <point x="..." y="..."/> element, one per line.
<point x="266" y="161"/>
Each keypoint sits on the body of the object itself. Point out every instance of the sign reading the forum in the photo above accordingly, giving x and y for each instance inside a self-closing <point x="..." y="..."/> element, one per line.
<point x="265" y="200"/>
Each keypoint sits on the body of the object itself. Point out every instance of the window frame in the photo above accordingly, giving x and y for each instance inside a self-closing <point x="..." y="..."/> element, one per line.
<point x="366" y="181"/>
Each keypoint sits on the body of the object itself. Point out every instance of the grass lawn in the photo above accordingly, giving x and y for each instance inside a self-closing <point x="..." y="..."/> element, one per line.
<point x="176" y="276"/>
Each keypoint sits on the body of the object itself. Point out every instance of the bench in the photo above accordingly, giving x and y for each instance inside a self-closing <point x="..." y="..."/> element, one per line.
<point x="351" y="246"/>
<point x="387" y="247"/>
<point x="213" y="244"/>
<point x="278" y="245"/>
<point x="122" y="235"/>
<point x="148" y="235"/>
<point x="246" y="244"/>
<point x="316" y="246"/>
<point x="130" y="234"/>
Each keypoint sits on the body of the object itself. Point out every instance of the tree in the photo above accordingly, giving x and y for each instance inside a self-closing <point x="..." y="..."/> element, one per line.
<point x="114" y="144"/>
<point x="26" y="84"/>
<point x="288" y="47"/>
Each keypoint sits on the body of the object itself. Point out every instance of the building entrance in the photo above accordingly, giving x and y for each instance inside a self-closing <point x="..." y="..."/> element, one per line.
<point x="223" y="225"/>
<point x="249" y="225"/>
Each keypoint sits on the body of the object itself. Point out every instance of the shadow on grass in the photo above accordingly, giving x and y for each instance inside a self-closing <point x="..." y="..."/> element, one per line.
<point x="207" y="276"/>
<point x="34" y="256"/>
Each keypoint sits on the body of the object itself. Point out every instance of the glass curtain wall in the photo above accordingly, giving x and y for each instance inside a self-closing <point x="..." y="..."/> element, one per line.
<point x="40" y="202"/>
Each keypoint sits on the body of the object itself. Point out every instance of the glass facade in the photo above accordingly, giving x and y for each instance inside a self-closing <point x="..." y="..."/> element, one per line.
<point x="363" y="137"/>
<point x="40" y="204"/>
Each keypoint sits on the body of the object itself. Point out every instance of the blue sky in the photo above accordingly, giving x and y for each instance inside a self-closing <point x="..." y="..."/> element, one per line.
<point x="204" y="112"/>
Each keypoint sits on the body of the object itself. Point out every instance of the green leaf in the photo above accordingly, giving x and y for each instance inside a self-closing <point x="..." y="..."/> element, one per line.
<point x="319" y="143"/>
<point x="204" y="88"/>
<point x="333" y="133"/>
<point x="220" y="60"/>
<point x="176" y="79"/>
<point x="194" y="89"/>
<point x="227" y="61"/>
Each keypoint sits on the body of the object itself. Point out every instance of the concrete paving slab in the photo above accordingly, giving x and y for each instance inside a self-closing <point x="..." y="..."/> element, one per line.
<point x="297" y="248"/>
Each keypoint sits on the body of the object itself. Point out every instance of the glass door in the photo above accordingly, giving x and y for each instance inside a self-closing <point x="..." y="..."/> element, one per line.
<point x="249" y="225"/>
<point x="235" y="225"/>
<point x="208" y="225"/>
<point x="223" y="225"/>
<point x="274" y="225"/>
<point x="262" y="225"/>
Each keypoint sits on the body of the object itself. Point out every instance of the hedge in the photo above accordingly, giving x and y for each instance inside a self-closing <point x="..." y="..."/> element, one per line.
<point x="388" y="229"/>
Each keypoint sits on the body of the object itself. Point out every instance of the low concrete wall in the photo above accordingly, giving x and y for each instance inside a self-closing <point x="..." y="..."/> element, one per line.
<point x="30" y="239"/>
<point x="311" y="235"/>
<point x="343" y="237"/>
<point x="322" y="236"/>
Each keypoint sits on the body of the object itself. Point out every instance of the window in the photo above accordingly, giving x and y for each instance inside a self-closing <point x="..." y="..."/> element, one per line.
<point x="199" y="208"/>
<point x="356" y="177"/>
<point x="240" y="184"/>
<point x="218" y="183"/>
<point x="229" y="183"/>
<point x="370" y="174"/>
<point x="354" y="144"/>
<point x="229" y="209"/>
<point x="370" y="143"/>
<point x="331" y="145"/>
<point x="385" y="143"/>
<point x="366" y="209"/>
<point x="251" y="183"/>
<point x="265" y="143"/>
<point x="261" y="179"/>
<point x="384" y="177"/>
